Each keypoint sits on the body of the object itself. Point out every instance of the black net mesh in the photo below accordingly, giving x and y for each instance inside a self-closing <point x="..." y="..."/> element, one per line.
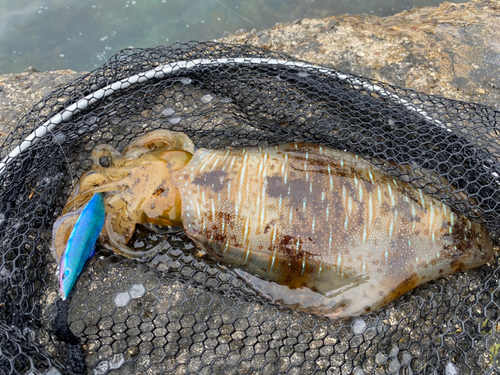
<point x="182" y="312"/>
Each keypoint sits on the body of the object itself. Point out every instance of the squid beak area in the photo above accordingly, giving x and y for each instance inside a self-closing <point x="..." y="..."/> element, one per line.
<point x="164" y="207"/>
<point x="123" y="213"/>
<point x="120" y="227"/>
<point x="164" y="211"/>
<point x="176" y="159"/>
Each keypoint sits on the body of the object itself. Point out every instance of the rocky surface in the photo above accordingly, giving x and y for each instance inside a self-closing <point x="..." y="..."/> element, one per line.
<point x="451" y="50"/>
<point x="19" y="92"/>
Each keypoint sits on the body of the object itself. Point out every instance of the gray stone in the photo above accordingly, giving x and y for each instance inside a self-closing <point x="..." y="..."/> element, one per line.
<point x="19" y="92"/>
<point x="449" y="50"/>
<point x="31" y="69"/>
<point x="264" y="40"/>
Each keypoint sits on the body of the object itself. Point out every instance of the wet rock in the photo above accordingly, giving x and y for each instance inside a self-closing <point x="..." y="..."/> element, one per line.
<point x="264" y="40"/>
<point x="450" y="50"/>
<point x="31" y="69"/>
<point x="19" y="92"/>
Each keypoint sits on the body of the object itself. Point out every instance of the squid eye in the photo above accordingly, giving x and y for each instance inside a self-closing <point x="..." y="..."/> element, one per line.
<point x="65" y="274"/>
<point x="105" y="161"/>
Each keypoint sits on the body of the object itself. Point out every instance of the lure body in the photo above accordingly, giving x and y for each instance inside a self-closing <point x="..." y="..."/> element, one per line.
<point x="81" y="243"/>
<point x="313" y="228"/>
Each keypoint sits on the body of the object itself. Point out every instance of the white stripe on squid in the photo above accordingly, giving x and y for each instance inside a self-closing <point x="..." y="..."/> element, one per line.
<point x="431" y="219"/>
<point x="213" y="210"/>
<point x="285" y="165"/>
<point x="233" y="159"/>
<point x="264" y="188"/>
<point x="224" y="159"/>
<point x="391" y="195"/>
<point x="197" y="205"/>
<point x="203" y="200"/>
<point x="370" y="210"/>
<point x="216" y="161"/>
<point x="273" y="246"/>
<point x="330" y="242"/>
<point x="208" y="161"/>
<point x="245" y="233"/>
<point x="242" y="180"/>
<point x="226" y="247"/>
<point x="331" y="178"/>
<point x="422" y="199"/>
<point x="305" y="166"/>
<point x="247" y="256"/>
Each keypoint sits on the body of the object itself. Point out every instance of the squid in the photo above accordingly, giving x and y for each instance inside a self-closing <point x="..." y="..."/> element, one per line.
<point x="309" y="227"/>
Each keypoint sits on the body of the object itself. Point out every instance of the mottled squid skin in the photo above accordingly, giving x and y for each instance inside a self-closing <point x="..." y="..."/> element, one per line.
<point x="340" y="235"/>
<point x="316" y="229"/>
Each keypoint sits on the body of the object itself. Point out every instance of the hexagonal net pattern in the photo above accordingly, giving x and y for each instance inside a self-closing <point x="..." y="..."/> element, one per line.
<point x="184" y="313"/>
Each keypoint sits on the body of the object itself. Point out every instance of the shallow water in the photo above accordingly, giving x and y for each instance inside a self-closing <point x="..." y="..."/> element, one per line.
<point x="82" y="34"/>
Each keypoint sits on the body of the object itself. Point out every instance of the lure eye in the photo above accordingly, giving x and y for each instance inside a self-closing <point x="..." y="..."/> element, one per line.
<point x="105" y="161"/>
<point x="65" y="274"/>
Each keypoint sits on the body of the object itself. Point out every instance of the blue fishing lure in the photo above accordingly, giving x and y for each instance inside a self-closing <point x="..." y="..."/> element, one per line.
<point x="81" y="243"/>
